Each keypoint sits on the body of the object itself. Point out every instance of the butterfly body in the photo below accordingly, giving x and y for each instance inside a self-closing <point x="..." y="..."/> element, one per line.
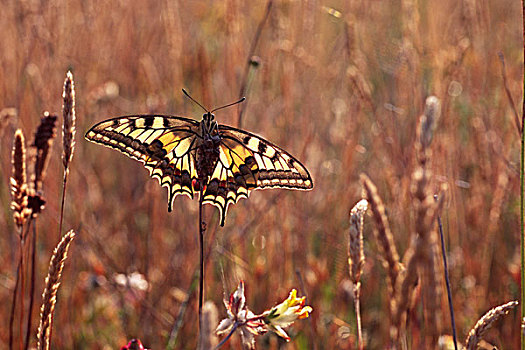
<point x="186" y="155"/>
<point x="207" y="148"/>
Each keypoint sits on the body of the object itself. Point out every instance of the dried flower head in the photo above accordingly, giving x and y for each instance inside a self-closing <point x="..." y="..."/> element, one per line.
<point x="68" y="128"/>
<point x="40" y="149"/>
<point x="241" y="318"/>
<point x="19" y="181"/>
<point x="44" y="136"/>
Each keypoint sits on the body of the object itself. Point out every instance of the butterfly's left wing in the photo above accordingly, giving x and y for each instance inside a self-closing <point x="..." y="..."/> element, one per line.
<point x="248" y="162"/>
<point x="164" y="144"/>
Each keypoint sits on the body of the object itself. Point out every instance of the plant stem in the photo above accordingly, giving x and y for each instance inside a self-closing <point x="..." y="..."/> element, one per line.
<point x="226" y="338"/>
<point x="522" y="194"/>
<point x="31" y="288"/>
<point x="62" y="203"/>
<point x="357" y="308"/>
<point x="180" y="316"/>
<point x="13" y="307"/>
<point x="22" y="292"/>
<point x="201" y="245"/>
<point x="244" y="82"/>
<point x="447" y="280"/>
<point x="182" y="310"/>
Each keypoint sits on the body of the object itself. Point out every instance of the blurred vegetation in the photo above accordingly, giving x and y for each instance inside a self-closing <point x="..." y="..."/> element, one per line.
<point x="341" y="85"/>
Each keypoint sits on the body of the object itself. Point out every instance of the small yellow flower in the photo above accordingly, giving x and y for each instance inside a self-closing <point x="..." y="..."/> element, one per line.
<point x="286" y="313"/>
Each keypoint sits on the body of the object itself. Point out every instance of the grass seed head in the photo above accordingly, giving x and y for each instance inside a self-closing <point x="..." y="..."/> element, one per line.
<point x="44" y="136"/>
<point x="19" y="181"/>
<point x="68" y="128"/>
<point x="483" y="325"/>
<point x="426" y="127"/>
<point x="356" y="256"/>
<point x="49" y="296"/>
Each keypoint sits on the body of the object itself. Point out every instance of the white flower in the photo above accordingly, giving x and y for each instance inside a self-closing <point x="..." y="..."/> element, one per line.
<point x="240" y="317"/>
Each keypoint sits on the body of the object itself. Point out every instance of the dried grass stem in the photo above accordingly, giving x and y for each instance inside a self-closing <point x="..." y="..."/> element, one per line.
<point x="383" y="234"/>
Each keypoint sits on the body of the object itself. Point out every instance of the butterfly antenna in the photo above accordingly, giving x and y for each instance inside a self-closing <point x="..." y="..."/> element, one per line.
<point x="191" y="98"/>
<point x="228" y="105"/>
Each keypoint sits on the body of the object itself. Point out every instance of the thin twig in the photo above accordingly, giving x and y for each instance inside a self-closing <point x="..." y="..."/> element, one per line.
<point x="63" y="200"/>
<point x="522" y="193"/>
<point x="180" y="316"/>
<point x="226" y="338"/>
<point x="19" y="276"/>
<point x="184" y="306"/>
<point x="201" y="246"/>
<point x="507" y="91"/>
<point x="250" y="62"/>
<point x="447" y="280"/>
<point x="357" y="308"/>
<point x="22" y="292"/>
<point x="13" y="307"/>
<point x="31" y="287"/>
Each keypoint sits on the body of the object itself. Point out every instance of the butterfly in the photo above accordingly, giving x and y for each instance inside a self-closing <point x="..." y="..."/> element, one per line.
<point x="220" y="162"/>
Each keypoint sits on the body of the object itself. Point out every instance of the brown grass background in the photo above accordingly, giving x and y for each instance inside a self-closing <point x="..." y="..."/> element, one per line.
<point x="343" y="94"/>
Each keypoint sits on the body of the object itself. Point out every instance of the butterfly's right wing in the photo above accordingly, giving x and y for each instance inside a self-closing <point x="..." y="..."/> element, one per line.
<point x="248" y="162"/>
<point x="164" y="144"/>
